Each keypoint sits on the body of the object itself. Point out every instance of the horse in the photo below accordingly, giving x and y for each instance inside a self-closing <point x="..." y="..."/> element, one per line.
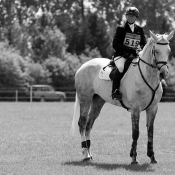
<point x="141" y="90"/>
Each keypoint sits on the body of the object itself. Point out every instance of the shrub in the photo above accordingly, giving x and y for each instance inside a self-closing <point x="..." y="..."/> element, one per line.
<point x="37" y="74"/>
<point x="12" y="67"/>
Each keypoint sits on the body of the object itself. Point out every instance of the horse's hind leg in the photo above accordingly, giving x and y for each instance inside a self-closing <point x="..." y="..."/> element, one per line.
<point x="84" y="111"/>
<point x="96" y="106"/>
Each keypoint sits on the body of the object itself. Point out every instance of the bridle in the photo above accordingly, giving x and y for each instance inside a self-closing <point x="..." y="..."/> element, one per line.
<point x="163" y="63"/>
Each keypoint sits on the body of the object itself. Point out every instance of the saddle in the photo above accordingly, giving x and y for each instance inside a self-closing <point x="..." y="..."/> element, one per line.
<point x="107" y="72"/>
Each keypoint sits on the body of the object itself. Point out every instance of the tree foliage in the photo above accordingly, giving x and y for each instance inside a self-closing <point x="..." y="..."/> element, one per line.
<point x="37" y="74"/>
<point x="51" y="35"/>
<point x="12" y="68"/>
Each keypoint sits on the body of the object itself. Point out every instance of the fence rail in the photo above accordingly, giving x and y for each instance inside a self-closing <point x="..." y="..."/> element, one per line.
<point x="169" y="95"/>
<point x="15" y="94"/>
<point x="21" y="95"/>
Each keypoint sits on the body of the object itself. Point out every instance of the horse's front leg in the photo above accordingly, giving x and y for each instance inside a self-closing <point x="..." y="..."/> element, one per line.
<point x="151" y="113"/>
<point x="135" y="116"/>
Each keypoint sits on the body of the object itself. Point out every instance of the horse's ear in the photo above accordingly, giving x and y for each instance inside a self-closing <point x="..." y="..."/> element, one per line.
<point x="170" y="35"/>
<point x="153" y="36"/>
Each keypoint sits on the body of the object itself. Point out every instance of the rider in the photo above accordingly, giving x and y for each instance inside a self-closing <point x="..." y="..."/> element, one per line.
<point x="128" y="40"/>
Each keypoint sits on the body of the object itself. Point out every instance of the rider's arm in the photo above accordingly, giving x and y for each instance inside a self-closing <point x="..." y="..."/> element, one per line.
<point x="143" y="39"/>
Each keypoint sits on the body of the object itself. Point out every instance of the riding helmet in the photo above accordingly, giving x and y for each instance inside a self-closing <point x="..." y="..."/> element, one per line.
<point x="132" y="11"/>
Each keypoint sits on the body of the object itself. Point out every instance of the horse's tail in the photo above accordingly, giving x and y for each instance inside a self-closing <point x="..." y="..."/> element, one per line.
<point x="76" y="116"/>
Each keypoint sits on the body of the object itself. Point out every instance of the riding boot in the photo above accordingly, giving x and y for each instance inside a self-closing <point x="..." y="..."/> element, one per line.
<point x="116" y="94"/>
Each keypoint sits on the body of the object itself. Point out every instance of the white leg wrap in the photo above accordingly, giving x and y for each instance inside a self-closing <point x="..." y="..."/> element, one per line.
<point x="86" y="153"/>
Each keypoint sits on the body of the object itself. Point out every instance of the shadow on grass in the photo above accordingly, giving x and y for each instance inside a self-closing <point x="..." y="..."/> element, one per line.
<point x="110" y="166"/>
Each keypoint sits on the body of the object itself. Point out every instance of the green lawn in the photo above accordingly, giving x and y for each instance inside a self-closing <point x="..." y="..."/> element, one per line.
<point x="35" y="140"/>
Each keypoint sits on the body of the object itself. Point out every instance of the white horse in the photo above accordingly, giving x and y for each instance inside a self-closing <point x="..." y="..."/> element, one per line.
<point x="141" y="90"/>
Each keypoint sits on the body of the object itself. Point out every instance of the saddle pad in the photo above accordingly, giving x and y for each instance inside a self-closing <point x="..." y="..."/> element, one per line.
<point x="104" y="73"/>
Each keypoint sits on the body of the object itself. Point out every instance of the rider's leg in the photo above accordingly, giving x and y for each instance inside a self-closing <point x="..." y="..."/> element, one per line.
<point x="119" y="62"/>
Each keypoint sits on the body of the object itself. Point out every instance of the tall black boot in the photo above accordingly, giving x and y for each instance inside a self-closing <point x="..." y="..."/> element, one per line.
<point x="116" y="94"/>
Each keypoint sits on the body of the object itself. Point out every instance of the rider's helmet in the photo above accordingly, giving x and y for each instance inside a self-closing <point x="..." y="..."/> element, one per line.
<point x="132" y="11"/>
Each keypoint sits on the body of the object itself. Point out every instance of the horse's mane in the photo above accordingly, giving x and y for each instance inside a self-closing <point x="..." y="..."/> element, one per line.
<point x="148" y="44"/>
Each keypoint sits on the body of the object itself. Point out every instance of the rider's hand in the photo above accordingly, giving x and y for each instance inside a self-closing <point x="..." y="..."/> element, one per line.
<point x="134" y="52"/>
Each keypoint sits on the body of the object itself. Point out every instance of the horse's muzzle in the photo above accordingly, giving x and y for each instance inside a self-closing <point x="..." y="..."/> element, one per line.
<point x="164" y="72"/>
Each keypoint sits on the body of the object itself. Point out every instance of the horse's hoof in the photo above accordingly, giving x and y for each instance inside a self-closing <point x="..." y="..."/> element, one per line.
<point x="92" y="159"/>
<point x="134" y="162"/>
<point x="153" y="160"/>
<point x="88" y="159"/>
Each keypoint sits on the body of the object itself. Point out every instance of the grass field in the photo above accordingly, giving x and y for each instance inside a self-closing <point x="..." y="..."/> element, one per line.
<point x="35" y="140"/>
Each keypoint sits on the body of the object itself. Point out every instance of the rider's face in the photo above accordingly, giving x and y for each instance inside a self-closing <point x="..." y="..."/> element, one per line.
<point x="130" y="18"/>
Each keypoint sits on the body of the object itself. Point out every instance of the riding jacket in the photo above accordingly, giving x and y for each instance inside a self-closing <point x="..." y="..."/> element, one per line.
<point x="125" y="41"/>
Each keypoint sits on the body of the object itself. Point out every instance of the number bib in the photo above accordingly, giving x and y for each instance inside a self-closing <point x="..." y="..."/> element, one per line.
<point x="132" y="40"/>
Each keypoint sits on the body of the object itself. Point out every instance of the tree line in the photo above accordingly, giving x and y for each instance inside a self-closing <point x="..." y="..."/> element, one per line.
<point x="46" y="41"/>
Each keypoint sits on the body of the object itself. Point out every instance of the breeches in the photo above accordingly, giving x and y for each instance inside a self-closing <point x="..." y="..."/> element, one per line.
<point x="120" y="62"/>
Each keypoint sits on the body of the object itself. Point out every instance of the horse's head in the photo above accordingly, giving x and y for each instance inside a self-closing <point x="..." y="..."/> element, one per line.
<point x="160" y="51"/>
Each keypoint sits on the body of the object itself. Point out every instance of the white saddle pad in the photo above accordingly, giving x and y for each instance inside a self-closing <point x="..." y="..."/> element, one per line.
<point x="104" y="73"/>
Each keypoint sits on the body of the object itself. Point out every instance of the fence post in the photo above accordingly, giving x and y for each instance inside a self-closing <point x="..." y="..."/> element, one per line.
<point x="31" y="93"/>
<point x="16" y="96"/>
